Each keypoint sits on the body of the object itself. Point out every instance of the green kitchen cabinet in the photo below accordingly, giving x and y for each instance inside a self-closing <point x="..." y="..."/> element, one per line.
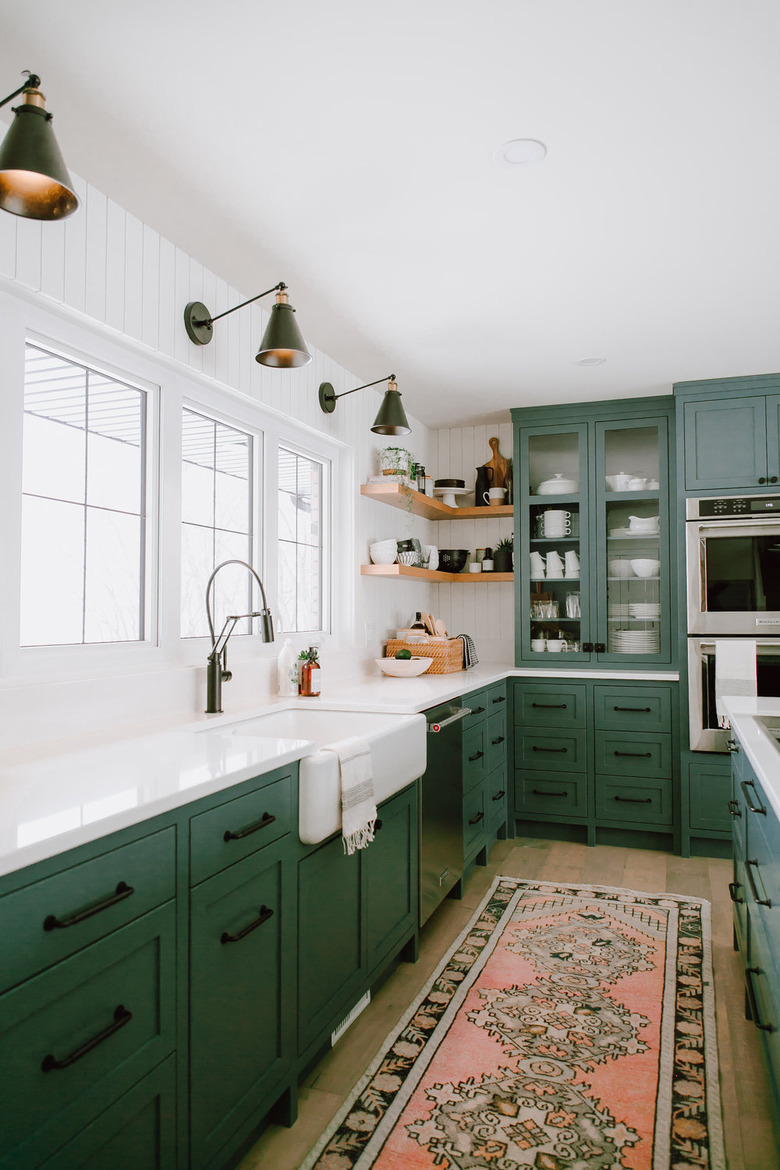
<point x="755" y="893"/>
<point x="730" y="433"/>
<point x="593" y="559"/>
<point x="242" y="974"/>
<point x="485" y="743"/>
<point x="596" y="759"/>
<point x="354" y="913"/>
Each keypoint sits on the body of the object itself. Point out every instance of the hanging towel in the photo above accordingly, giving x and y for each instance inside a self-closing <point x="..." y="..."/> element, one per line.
<point x="735" y="671"/>
<point x="469" y="652"/>
<point x="358" y="805"/>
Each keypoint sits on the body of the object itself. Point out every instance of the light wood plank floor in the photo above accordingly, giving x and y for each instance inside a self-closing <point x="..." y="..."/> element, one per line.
<point x="750" y="1127"/>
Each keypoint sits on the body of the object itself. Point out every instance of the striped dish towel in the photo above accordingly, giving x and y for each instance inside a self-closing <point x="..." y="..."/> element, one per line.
<point x="358" y="806"/>
<point x="469" y="651"/>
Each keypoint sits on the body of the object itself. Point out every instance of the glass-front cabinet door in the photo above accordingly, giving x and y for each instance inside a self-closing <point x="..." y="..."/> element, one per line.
<point x="592" y="560"/>
<point x="554" y="527"/>
<point x="632" y="539"/>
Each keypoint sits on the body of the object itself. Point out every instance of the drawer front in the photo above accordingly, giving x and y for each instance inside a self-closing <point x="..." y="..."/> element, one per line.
<point x="761" y="985"/>
<point x="496" y="699"/>
<point x="474" y="820"/>
<point x="239" y="827"/>
<point x="551" y="751"/>
<point x="643" y="802"/>
<point x="556" y="706"/>
<point x="477" y="702"/>
<point x="738" y="895"/>
<point x="639" y="754"/>
<point x="52" y="919"/>
<point x="474" y="756"/>
<point x="709" y="793"/>
<point x="73" y="1039"/>
<point x="496" y="740"/>
<point x="633" y="708"/>
<point x="496" y="800"/>
<point x="564" y="795"/>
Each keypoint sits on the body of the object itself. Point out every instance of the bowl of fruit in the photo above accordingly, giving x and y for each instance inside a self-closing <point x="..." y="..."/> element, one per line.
<point x="403" y="664"/>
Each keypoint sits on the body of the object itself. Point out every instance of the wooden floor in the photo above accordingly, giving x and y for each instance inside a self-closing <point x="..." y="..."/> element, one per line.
<point x="751" y="1138"/>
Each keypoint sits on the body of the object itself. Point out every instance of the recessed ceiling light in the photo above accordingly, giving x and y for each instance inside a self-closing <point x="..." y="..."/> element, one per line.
<point x="590" y="361"/>
<point x="520" y="152"/>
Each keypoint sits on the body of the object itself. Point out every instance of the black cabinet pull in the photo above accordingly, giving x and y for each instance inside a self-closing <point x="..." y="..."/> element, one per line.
<point x="634" y="755"/>
<point x="263" y="823"/>
<point x="122" y="891"/>
<point x="751" y="994"/>
<point x="262" y="917"/>
<point x="773" y="479"/>
<point x="635" y="710"/>
<point x="497" y="741"/>
<point x="477" y="710"/>
<point x="478" y="756"/>
<point x="734" y="809"/>
<point x="752" y="883"/>
<point x="477" y="818"/>
<point x="733" y="888"/>
<point x="762" y="479"/>
<point x="378" y="824"/>
<point x="635" y="799"/>
<point x="744" y="785"/>
<point x="500" y="795"/>
<point x="561" y="751"/>
<point x="550" y="706"/>
<point x="121" y="1017"/>
<point x="500" y="699"/>
<point x="599" y="647"/>
<point x="587" y="647"/>
<point x="541" y="792"/>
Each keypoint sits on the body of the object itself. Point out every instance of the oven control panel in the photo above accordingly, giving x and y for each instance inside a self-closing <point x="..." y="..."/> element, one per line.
<point x="737" y="506"/>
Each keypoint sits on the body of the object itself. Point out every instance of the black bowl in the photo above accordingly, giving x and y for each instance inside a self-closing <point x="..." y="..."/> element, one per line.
<point x="452" y="560"/>
<point x="449" y="483"/>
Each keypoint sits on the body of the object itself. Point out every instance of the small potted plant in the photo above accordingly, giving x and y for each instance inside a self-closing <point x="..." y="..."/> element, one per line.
<point x="396" y="461"/>
<point x="502" y="555"/>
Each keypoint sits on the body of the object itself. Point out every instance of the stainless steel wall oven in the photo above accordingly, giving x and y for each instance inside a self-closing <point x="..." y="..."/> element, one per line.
<point x="706" y="735"/>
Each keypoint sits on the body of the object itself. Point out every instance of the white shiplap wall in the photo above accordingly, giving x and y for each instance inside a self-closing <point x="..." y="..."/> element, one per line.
<point x="104" y="267"/>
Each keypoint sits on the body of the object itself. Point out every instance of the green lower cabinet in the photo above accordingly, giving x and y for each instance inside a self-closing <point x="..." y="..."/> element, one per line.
<point x="354" y="913"/>
<point x="390" y="879"/>
<point x="563" y="796"/>
<point x="709" y="792"/>
<point x="77" y="1036"/>
<point x="474" y="824"/>
<point x="330" y="941"/>
<point x="241" y="1001"/>
<point x="496" y="802"/>
<point x="137" y="1133"/>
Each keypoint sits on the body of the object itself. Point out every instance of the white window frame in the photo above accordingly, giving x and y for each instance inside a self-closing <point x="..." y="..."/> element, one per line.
<point x="21" y="323"/>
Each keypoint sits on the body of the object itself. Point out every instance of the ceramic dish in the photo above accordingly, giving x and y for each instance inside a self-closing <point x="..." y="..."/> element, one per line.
<point x="621" y="533"/>
<point x="403" y="667"/>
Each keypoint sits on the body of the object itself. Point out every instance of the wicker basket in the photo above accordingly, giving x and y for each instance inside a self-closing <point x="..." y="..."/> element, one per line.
<point x="447" y="653"/>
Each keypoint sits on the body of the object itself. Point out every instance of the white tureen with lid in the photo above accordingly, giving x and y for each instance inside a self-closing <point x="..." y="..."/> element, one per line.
<point x="557" y="486"/>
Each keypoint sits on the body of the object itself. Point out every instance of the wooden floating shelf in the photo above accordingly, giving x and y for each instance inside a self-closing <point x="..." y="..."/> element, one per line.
<point x="432" y="574"/>
<point x="397" y="495"/>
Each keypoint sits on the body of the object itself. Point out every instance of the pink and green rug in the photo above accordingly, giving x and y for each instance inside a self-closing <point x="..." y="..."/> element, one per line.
<point x="569" y="1028"/>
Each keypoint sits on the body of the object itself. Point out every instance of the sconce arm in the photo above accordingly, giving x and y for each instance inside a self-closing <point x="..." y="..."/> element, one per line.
<point x="333" y="397"/>
<point x="280" y="287"/>
<point x="33" y="82"/>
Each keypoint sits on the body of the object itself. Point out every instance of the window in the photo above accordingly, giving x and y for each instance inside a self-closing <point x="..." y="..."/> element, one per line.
<point x="83" y="506"/>
<point x="217" y="478"/>
<point x="302" y="484"/>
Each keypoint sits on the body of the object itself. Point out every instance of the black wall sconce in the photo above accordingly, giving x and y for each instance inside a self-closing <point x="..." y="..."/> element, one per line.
<point x="391" y="419"/>
<point x="282" y="345"/>
<point x="34" y="181"/>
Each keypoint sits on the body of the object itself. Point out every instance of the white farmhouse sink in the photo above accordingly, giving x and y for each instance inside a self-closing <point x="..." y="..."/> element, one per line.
<point x="396" y="742"/>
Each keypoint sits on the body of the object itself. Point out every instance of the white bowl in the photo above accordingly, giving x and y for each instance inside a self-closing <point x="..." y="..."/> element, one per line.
<point x="382" y="556"/>
<point x="620" y="569"/>
<point x="645" y="567"/>
<point x="403" y="667"/>
<point x="643" y="524"/>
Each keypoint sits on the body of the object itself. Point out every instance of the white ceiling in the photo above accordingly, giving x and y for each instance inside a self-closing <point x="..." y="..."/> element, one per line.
<point x="346" y="147"/>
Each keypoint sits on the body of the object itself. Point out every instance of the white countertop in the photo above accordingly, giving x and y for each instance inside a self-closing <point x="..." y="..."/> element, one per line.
<point x="57" y="796"/>
<point x="745" y="714"/>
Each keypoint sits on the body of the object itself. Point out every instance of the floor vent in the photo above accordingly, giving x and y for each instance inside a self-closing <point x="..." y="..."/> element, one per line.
<point x="353" y="1015"/>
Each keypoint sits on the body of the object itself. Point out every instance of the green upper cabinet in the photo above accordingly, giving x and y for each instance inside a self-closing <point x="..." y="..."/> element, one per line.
<point x="592" y="563"/>
<point x="730" y="432"/>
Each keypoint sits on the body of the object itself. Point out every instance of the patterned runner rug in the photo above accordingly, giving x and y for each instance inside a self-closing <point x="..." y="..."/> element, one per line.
<point x="570" y="1027"/>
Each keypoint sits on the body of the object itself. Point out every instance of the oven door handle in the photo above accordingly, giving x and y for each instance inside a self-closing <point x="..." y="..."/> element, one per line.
<point x="455" y="717"/>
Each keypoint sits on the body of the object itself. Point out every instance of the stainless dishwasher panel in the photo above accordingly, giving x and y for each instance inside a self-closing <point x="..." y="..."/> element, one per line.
<point x="441" y="806"/>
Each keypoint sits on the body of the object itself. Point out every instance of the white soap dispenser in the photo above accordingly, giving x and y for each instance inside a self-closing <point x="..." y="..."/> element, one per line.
<point x="287" y="670"/>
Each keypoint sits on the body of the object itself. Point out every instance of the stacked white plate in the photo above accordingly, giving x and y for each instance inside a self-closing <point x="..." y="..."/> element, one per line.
<point x="621" y="533"/>
<point x="644" y="609"/>
<point x="620" y="609"/>
<point x="634" y="642"/>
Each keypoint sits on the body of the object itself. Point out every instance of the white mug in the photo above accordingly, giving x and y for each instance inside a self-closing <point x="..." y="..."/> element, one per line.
<point x="555" y="645"/>
<point x="554" y="565"/>
<point x="572" y="563"/>
<point x="556" y="522"/>
<point x="537" y="566"/>
<point x="476" y="567"/>
<point x="494" y="496"/>
<point x="538" y="645"/>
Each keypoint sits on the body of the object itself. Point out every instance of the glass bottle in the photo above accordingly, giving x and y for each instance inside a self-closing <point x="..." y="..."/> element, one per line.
<point x="310" y="673"/>
<point x="418" y="623"/>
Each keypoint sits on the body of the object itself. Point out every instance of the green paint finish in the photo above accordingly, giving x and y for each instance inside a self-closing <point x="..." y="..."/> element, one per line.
<point x="641" y="802"/>
<point x="563" y="795"/>
<point x="709" y="791"/>
<point x="237" y="828"/>
<point x="545" y="704"/>
<point x="550" y="750"/>
<point x="633" y="753"/>
<point x="390" y="879"/>
<point x="725" y="443"/>
<point x="632" y="706"/>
